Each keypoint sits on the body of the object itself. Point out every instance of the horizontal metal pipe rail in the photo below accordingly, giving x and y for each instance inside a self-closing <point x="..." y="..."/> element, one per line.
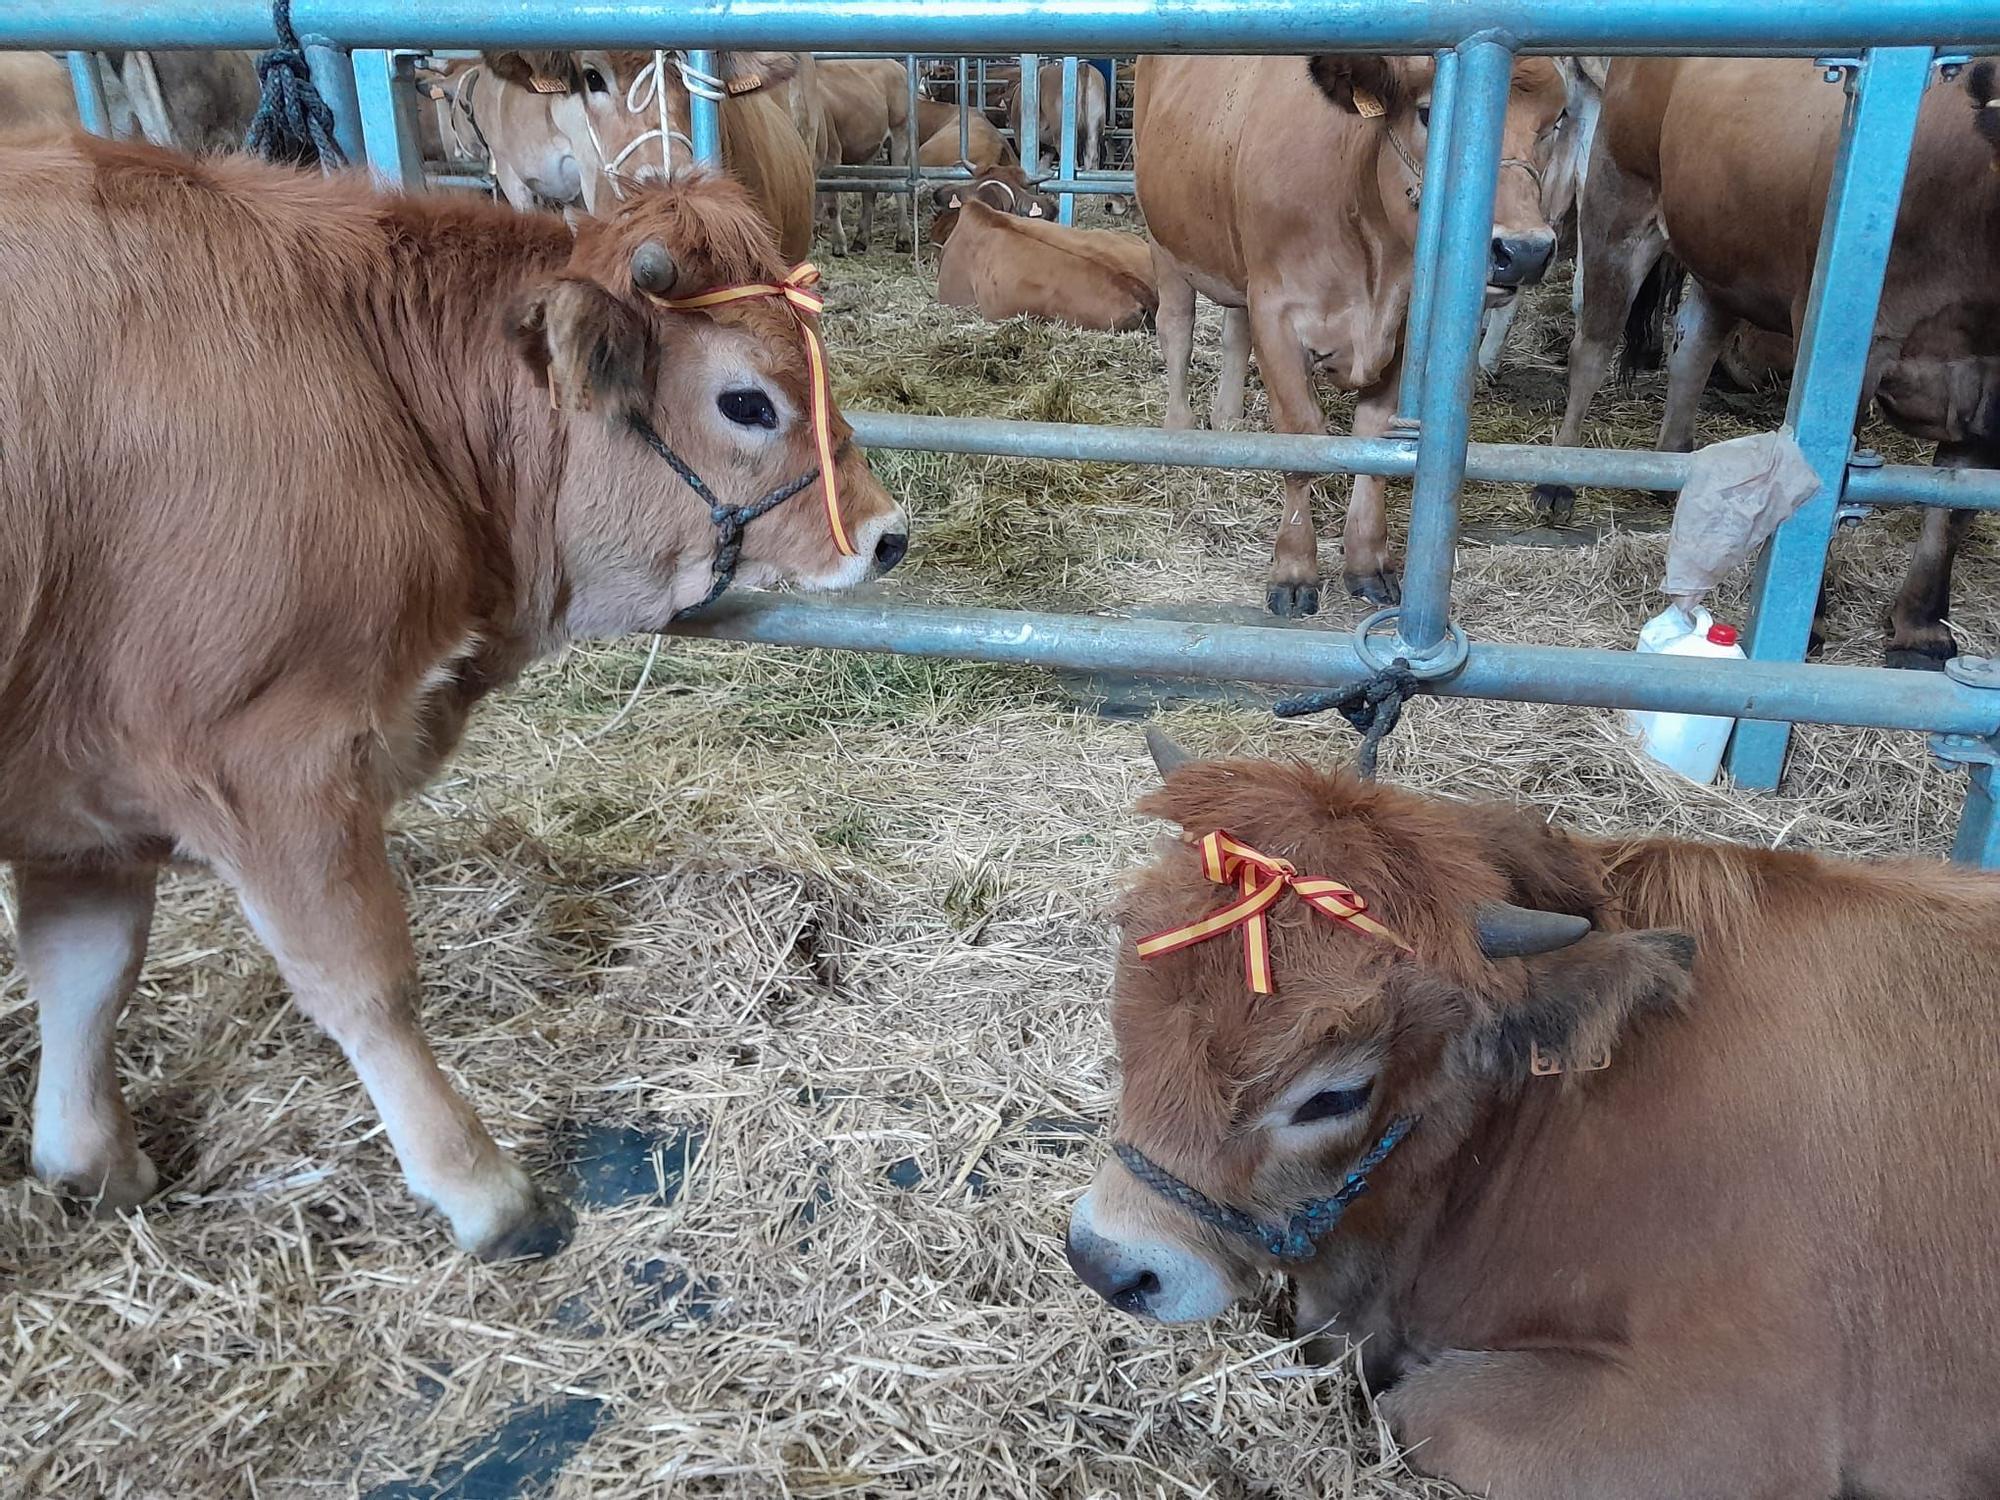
<point x="1092" y="28"/>
<point x="847" y="180"/>
<point x="1302" y="656"/>
<point x="1393" y="458"/>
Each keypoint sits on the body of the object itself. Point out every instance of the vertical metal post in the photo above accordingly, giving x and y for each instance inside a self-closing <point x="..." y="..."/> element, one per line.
<point x="91" y="111"/>
<point x="912" y="146"/>
<point x="965" y="111"/>
<point x="1855" y="235"/>
<point x="1066" y="152"/>
<point x="1978" y="841"/>
<point x="333" y="76"/>
<point x="1485" y="78"/>
<point x="388" y="130"/>
<point x="1029" y="142"/>
<point x="704" y="114"/>
<point x="1430" y="235"/>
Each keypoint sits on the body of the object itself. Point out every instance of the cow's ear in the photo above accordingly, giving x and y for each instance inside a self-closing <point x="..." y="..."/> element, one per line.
<point x="591" y="349"/>
<point x="746" y="72"/>
<point x="1580" y="1002"/>
<point x="544" y="72"/>
<point x="1361" y="84"/>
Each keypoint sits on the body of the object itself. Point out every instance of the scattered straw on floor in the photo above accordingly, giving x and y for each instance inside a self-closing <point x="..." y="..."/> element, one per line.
<point x="828" y="928"/>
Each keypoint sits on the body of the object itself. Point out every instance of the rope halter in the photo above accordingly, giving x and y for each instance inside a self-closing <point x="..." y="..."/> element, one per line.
<point x="648" y="90"/>
<point x="797" y="294"/>
<point x="1261" y="879"/>
<point x="1299" y="1239"/>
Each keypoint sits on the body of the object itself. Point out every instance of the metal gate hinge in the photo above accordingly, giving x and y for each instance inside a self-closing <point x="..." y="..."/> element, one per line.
<point x="1950" y="64"/>
<point x="1952" y="751"/>
<point x="1838" y="69"/>
<point x="1974" y="671"/>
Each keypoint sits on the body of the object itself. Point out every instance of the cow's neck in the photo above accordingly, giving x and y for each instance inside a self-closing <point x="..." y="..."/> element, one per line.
<point x="489" y="434"/>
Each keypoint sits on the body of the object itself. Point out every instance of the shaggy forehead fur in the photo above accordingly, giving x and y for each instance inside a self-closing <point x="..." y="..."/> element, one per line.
<point x="1199" y="1048"/>
<point x="717" y="237"/>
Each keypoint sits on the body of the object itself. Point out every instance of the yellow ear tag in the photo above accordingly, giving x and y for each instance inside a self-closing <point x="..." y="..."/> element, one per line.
<point x="541" y="83"/>
<point x="1367" y="105"/>
<point x="748" y="84"/>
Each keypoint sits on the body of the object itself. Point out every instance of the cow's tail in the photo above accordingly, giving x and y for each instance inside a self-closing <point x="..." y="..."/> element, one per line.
<point x="1658" y="298"/>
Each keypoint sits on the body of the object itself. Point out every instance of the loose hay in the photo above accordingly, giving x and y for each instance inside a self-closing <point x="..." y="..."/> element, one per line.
<point x="828" y="930"/>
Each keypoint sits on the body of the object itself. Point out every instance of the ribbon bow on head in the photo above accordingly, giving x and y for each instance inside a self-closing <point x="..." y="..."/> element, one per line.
<point x="796" y="291"/>
<point x="1261" y="879"/>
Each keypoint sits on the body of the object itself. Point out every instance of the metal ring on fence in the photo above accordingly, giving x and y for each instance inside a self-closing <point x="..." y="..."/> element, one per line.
<point x="1456" y="647"/>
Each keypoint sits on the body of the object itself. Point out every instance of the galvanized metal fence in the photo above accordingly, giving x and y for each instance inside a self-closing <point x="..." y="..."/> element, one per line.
<point x="1883" y="52"/>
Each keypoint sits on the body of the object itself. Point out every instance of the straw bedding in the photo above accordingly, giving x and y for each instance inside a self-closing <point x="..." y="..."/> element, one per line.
<point x="799" y="976"/>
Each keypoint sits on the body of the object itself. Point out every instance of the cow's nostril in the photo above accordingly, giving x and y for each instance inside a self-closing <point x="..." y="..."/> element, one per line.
<point x="1519" y="260"/>
<point x="1134" y="1293"/>
<point x="891" y="549"/>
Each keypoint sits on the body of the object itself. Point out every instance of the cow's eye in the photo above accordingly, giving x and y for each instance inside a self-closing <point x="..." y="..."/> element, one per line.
<point x="594" y="81"/>
<point x="1424" y="115"/>
<point x="1331" y="1104"/>
<point x="748" y="408"/>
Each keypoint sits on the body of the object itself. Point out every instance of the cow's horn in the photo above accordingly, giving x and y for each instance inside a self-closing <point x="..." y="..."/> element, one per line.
<point x="653" y="270"/>
<point x="1167" y="756"/>
<point x="1508" y="931"/>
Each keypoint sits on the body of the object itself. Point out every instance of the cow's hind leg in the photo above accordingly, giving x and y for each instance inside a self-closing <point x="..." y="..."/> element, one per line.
<point x="1175" y="321"/>
<point x="83" y="935"/>
<point x="1225" y="411"/>
<point x="1701" y="329"/>
<point x="830" y="221"/>
<point x="1619" y="240"/>
<point x="1292" y="587"/>
<point x="1367" y="566"/>
<point x="321" y="895"/>
<point x="1918" y="637"/>
<point x="906" y="207"/>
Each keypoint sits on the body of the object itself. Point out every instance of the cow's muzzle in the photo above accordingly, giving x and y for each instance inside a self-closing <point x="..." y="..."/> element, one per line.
<point x="1518" y="260"/>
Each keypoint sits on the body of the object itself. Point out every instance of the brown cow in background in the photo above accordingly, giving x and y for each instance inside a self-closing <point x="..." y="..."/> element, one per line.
<point x="604" y="121"/>
<point x="1682" y="1156"/>
<point x="327" y="468"/>
<point x="867" y="104"/>
<point x="1724" y="164"/>
<point x="195" y="101"/>
<point x="1285" y="189"/>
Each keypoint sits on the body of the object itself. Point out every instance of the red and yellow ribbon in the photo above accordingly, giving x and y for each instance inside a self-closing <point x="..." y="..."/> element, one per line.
<point x="797" y="292"/>
<point x="1261" y="879"/>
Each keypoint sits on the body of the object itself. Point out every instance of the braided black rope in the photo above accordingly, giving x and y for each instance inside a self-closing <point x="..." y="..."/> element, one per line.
<point x="1299" y="1239"/>
<point x="729" y="520"/>
<point x="1373" y="708"/>
<point x="293" y="123"/>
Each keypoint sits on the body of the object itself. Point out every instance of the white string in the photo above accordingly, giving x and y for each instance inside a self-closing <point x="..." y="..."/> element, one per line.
<point x="647" y="88"/>
<point x="645" y="675"/>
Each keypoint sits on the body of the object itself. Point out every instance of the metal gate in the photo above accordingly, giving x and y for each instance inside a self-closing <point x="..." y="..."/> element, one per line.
<point x="1884" y="53"/>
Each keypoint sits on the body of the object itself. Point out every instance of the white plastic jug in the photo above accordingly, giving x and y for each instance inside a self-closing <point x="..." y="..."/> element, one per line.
<point x="1691" y="744"/>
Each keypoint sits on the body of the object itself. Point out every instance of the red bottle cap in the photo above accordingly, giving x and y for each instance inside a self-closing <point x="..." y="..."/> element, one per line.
<point x="1722" y="635"/>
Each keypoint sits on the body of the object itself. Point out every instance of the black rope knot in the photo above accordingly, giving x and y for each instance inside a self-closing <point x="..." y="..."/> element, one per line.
<point x="1374" y="708"/>
<point x="293" y="123"/>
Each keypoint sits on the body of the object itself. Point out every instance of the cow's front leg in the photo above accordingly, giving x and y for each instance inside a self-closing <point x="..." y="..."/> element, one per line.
<point x="83" y="935"/>
<point x="1175" y="321"/>
<point x="322" y="898"/>
<point x="1368" y="567"/>
<point x="1554" y="1424"/>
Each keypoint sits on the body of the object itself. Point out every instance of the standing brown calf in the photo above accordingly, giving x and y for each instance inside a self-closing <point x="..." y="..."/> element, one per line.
<point x="295" y="474"/>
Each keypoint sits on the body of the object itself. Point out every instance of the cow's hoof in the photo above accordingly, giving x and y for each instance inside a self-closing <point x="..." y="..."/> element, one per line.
<point x="109" y="1189"/>
<point x="1292" y="601"/>
<point x="1557" y="502"/>
<point x="1929" y="657"/>
<point x="903" y="246"/>
<point x="1378" y="588"/>
<point x="1178" y="420"/>
<point x="546" y="1227"/>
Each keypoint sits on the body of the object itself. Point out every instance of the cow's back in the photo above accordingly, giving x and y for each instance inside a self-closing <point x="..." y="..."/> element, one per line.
<point x="1241" y="162"/>
<point x="1007" y="266"/>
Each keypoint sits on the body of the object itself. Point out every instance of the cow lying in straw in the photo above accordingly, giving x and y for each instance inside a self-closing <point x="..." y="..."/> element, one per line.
<point x="1005" y="255"/>
<point x="294" y="475"/>
<point x="1670" y="1165"/>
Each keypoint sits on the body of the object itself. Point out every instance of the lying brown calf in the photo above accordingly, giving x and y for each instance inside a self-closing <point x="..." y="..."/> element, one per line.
<point x="293" y="475"/>
<point x="1004" y="256"/>
<point x="1667" y="1170"/>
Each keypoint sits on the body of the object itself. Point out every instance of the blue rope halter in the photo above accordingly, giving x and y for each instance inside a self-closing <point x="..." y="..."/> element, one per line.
<point x="1298" y="1240"/>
